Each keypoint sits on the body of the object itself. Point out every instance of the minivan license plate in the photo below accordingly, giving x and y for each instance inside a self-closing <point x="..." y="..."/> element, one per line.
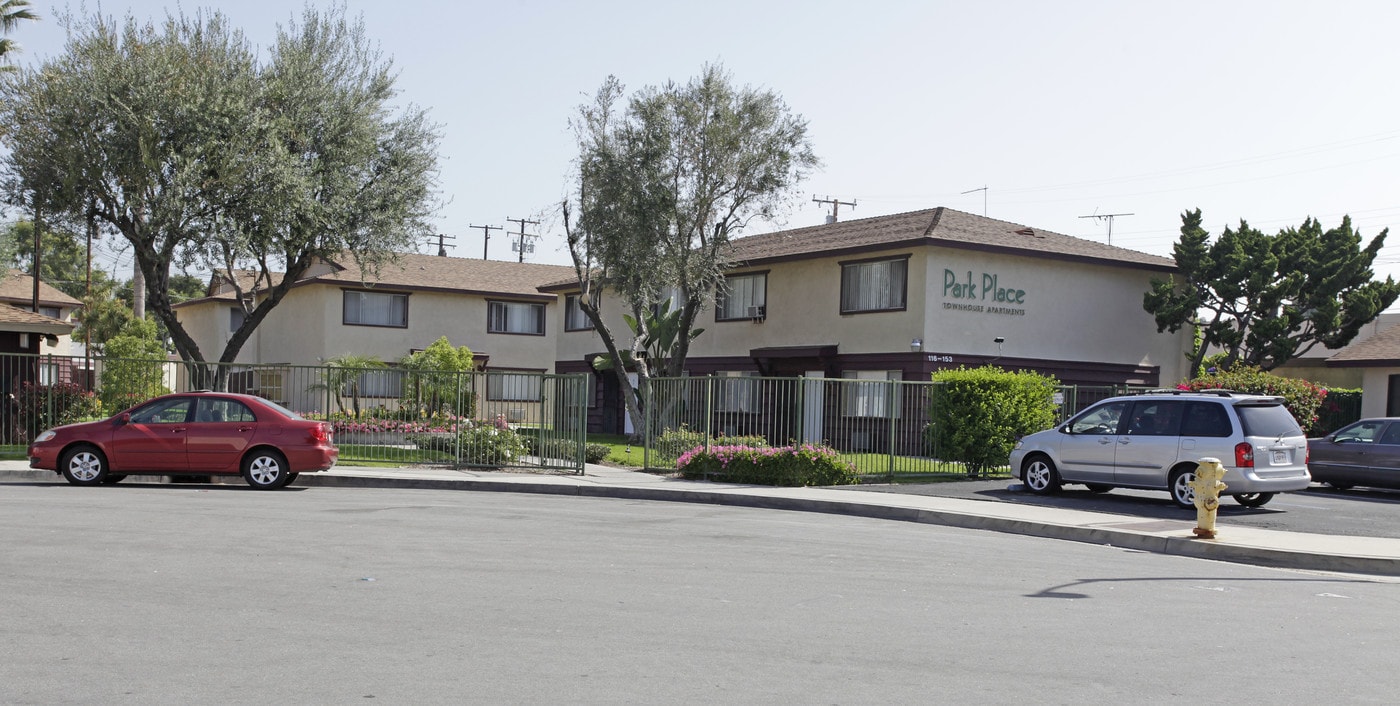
<point x="1280" y="458"/>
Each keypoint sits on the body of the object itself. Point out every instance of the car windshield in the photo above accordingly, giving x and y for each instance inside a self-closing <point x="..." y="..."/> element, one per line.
<point x="1271" y="420"/>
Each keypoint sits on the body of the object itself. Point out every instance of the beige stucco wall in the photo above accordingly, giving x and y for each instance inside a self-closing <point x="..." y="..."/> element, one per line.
<point x="1375" y="389"/>
<point x="306" y="328"/>
<point x="1068" y="311"/>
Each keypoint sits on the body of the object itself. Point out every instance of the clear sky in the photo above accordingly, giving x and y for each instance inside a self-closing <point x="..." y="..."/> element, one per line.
<point x="1271" y="111"/>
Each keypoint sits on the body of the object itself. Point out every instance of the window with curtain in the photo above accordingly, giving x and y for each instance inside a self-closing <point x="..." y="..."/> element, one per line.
<point x="516" y="317"/>
<point x="741" y="296"/>
<point x="877" y="285"/>
<point x="574" y="318"/>
<point x="513" y="387"/>
<point x="381" y="383"/>
<point x="870" y="394"/>
<point x="736" y="392"/>
<point x="671" y="296"/>
<point x="376" y="309"/>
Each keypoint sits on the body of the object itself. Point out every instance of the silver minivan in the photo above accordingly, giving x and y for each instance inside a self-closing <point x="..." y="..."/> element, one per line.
<point x="1155" y="440"/>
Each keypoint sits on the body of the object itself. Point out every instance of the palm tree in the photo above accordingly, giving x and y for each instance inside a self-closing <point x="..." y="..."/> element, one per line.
<point x="11" y="12"/>
<point x="341" y="378"/>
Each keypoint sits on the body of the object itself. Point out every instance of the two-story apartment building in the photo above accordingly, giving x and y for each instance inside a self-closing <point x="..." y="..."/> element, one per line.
<point x="898" y="297"/>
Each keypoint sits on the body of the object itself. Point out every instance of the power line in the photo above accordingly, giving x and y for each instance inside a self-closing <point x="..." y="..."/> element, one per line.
<point x="520" y="245"/>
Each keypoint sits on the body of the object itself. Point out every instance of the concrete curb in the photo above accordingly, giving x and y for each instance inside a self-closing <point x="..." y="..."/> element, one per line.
<point x="888" y="507"/>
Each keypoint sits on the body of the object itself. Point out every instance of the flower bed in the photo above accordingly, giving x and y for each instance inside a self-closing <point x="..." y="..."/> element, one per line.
<point x="807" y="464"/>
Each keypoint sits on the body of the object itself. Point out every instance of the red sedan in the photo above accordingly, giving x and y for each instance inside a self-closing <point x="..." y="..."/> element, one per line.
<point x="199" y="433"/>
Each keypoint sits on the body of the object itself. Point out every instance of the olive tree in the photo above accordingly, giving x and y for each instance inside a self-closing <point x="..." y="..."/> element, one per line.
<point x="179" y="138"/>
<point x="666" y="178"/>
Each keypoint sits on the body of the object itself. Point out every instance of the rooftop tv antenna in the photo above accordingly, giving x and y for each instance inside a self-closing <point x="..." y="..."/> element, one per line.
<point x="1107" y="217"/>
<point x="984" y="198"/>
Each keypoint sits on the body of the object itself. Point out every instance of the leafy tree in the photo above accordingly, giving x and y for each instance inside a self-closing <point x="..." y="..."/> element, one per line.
<point x="179" y="139"/>
<point x="134" y="369"/>
<point x="1302" y="398"/>
<point x="11" y="12"/>
<point x="1263" y="299"/>
<point x="435" y="380"/>
<point x="665" y="179"/>
<point x="63" y="262"/>
<point x="341" y="377"/>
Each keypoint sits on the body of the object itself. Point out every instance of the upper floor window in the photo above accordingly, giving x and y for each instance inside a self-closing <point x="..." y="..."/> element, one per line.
<point x="235" y="318"/>
<point x="873" y="285"/>
<point x="376" y="309"/>
<point x="669" y="301"/>
<point x="574" y="318"/>
<point x="742" y="297"/>
<point x="515" y="317"/>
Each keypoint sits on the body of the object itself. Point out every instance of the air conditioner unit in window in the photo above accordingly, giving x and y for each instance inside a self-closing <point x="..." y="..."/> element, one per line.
<point x="758" y="313"/>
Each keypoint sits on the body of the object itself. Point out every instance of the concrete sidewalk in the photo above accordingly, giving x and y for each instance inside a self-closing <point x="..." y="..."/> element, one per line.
<point x="1362" y="555"/>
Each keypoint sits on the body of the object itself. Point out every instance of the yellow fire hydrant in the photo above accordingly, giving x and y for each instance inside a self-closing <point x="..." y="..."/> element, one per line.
<point x="1207" y="487"/>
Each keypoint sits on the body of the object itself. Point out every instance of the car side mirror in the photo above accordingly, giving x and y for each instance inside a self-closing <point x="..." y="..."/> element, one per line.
<point x="126" y="418"/>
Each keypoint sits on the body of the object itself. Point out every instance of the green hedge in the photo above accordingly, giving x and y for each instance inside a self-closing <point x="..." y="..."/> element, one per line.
<point x="976" y="415"/>
<point x="788" y="466"/>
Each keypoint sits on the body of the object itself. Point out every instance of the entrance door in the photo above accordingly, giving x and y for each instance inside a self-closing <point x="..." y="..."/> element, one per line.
<point x="813" y="404"/>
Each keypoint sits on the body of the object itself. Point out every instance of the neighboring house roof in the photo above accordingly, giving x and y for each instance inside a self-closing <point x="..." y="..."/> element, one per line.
<point x="18" y="287"/>
<point x="943" y="227"/>
<point x="1380" y="350"/>
<point x="22" y="321"/>
<point x="414" y="272"/>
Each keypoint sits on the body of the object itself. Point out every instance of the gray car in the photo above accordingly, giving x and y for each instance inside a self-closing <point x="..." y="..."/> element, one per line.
<point x="1155" y="440"/>
<point x="1365" y="453"/>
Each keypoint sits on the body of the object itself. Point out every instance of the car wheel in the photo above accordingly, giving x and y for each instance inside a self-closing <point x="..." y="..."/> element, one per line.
<point x="1041" y="476"/>
<point x="111" y="478"/>
<point x="1253" y="499"/>
<point x="1340" y="486"/>
<point x="265" y="469"/>
<point x="83" y="465"/>
<point x="1182" y="492"/>
<point x="1098" y="487"/>
<point x="288" y="479"/>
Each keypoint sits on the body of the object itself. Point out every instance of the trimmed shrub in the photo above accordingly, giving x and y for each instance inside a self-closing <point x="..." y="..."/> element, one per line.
<point x="491" y="445"/>
<point x="1302" y="398"/>
<point x="46" y="406"/>
<point x="674" y="442"/>
<point x="788" y="466"/>
<point x="976" y="415"/>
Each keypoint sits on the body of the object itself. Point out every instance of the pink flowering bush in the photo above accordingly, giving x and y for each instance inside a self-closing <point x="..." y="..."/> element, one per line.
<point x="808" y="464"/>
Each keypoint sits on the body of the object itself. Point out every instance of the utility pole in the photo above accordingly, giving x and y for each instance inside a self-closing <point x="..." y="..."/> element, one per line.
<point x="1107" y="217"/>
<point x="38" y="228"/>
<point x="519" y="244"/>
<point x="487" y="231"/>
<point x="984" y="198"/>
<point x="836" y="205"/>
<point x="442" y="246"/>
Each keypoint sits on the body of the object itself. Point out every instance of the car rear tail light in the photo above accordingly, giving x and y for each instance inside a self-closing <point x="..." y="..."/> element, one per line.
<point x="320" y="434"/>
<point x="1244" y="455"/>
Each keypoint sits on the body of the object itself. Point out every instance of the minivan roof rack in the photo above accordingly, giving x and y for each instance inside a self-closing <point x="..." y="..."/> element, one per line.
<point x="1219" y="392"/>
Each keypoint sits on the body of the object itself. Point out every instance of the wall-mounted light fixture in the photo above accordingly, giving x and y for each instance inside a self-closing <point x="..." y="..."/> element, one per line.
<point x="916" y="345"/>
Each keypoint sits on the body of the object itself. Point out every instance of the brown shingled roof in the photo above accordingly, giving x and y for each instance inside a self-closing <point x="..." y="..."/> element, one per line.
<point x="18" y="287"/>
<point x="1382" y="349"/>
<point x="417" y="272"/>
<point x="937" y="226"/>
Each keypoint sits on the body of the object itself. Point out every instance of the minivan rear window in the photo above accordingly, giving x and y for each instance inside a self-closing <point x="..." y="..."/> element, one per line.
<point x="1271" y="420"/>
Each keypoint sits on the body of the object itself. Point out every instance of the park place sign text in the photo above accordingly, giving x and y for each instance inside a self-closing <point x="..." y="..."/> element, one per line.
<point x="987" y="294"/>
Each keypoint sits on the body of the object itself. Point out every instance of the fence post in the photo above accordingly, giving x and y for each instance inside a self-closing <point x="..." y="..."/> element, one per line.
<point x="709" y="409"/>
<point x="891" y="407"/>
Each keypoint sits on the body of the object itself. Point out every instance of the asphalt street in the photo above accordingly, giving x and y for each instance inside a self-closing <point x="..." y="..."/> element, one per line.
<point x="187" y="593"/>
<point x="1320" y="509"/>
